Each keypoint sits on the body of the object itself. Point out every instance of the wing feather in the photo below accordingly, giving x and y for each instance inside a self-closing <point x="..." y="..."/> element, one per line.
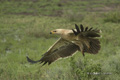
<point x="84" y="31"/>
<point x="82" y="28"/>
<point x="60" y="49"/>
<point x="86" y="40"/>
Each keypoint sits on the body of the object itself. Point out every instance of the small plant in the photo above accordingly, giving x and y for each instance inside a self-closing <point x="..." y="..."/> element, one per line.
<point x="83" y="70"/>
<point x="112" y="17"/>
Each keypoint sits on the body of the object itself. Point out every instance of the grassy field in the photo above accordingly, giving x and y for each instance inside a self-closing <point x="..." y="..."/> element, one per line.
<point x="25" y="27"/>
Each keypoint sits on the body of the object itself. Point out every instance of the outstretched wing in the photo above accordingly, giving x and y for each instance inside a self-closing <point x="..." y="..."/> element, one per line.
<point x="60" y="49"/>
<point x="86" y="39"/>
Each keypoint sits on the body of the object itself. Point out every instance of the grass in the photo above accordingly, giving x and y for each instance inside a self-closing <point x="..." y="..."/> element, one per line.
<point x="24" y="30"/>
<point x="112" y="17"/>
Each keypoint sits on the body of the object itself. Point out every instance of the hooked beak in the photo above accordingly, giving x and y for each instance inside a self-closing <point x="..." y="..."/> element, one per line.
<point x="51" y="32"/>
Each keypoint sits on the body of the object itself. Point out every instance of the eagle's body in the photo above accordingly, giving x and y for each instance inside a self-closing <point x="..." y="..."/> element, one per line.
<point x="68" y="35"/>
<point x="70" y="41"/>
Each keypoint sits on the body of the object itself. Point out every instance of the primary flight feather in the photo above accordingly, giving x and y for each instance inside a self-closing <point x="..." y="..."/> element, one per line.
<point x="79" y="39"/>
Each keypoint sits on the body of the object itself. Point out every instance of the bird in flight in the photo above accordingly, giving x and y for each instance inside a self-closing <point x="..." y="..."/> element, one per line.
<point x="81" y="39"/>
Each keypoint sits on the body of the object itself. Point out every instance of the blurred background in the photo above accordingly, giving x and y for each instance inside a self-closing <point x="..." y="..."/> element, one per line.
<point x="25" y="27"/>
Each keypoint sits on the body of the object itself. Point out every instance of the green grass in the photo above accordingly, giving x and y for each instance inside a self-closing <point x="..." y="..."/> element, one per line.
<point x="112" y="17"/>
<point x="24" y="30"/>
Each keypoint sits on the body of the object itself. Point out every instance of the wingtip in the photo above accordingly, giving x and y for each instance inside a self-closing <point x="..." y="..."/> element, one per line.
<point x="27" y="58"/>
<point x="30" y="60"/>
<point x="81" y="25"/>
<point x="75" y="24"/>
<point x="74" y="32"/>
<point x="82" y="28"/>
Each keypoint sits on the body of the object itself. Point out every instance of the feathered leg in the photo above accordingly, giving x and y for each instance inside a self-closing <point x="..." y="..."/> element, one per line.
<point x="82" y="49"/>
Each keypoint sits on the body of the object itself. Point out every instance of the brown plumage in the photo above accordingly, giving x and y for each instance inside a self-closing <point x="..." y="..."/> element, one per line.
<point x="79" y="39"/>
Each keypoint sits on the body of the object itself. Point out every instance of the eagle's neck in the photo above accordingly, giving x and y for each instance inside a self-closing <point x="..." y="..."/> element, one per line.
<point x="67" y="35"/>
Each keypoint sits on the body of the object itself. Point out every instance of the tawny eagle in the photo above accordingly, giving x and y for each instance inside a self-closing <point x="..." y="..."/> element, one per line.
<point x="81" y="39"/>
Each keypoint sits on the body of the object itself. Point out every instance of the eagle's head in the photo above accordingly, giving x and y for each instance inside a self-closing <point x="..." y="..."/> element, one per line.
<point x="57" y="31"/>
